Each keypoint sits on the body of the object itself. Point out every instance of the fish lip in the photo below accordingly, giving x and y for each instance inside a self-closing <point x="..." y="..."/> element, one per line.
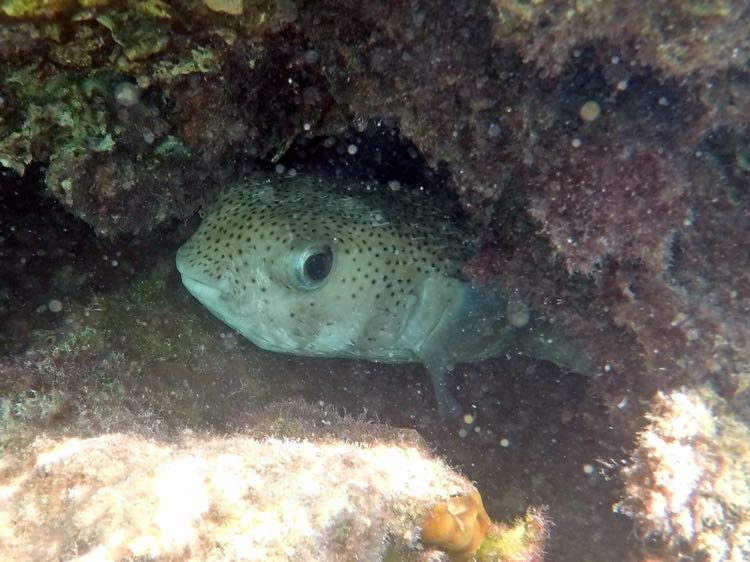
<point x="198" y="288"/>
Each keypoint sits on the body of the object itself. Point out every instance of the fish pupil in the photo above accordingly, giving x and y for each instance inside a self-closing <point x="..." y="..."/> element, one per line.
<point x="318" y="265"/>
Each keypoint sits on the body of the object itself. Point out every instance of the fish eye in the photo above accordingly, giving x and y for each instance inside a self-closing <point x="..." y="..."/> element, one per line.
<point x="314" y="266"/>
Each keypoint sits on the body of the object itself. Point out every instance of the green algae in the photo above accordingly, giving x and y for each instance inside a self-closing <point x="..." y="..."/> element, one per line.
<point x="288" y="428"/>
<point x="148" y="324"/>
<point x="37" y="8"/>
<point x="98" y="404"/>
<point x="73" y="108"/>
<point x="31" y="9"/>
<point x="522" y="541"/>
<point x="199" y="60"/>
<point x="172" y="146"/>
<point x="20" y="411"/>
<point x="76" y="341"/>
<point x="140" y="38"/>
<point x="118" y="357"/>
<point x="81" y="53"/>
<point x="103" y="149"/>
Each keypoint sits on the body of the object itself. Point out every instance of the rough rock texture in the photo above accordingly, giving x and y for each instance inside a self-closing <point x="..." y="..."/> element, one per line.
<point x="297" y="482"/>
<point x="107" y="97"/>
<point x="621" y="201"/>
<point x="131" y="352"/>
<point x="603" y="148"/>
<point x="208" y="85"/>
<point x="677" y="38"/>
<point x="211" y="498"/>
<point x="688" y="482"/>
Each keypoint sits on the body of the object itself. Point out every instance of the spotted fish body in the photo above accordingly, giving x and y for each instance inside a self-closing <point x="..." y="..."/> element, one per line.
<point x="312" y="267"/>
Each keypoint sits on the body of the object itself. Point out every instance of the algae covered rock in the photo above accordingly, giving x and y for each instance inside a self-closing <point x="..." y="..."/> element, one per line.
<point x="688" y="483"/>
<point x="679" y="38"/>
<point x="123" y="496"/>
<point x="601" y="148"/>
<point x="96" y="96"/>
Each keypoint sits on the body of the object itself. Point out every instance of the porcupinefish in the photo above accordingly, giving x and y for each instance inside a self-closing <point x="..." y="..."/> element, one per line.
<point x="310" y="266"/>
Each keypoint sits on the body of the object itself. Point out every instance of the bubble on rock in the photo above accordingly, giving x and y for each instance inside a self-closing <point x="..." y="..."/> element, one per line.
<point x="494" y="130"/>
<point x="55" y="306"/>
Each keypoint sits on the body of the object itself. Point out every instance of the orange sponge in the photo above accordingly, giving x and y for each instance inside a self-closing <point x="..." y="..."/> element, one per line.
<point x="457" y="526"/>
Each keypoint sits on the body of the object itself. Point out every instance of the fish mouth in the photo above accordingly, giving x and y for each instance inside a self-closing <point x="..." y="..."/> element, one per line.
<point x="200" y="290"/>
<point x="198" y="283"/>
<point x="210" y="295"/>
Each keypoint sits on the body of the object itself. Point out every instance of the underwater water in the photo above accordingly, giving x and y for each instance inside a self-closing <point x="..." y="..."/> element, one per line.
<point x="330" y="281"/>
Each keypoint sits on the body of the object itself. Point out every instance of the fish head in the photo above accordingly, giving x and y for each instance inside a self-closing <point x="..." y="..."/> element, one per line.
<point x="297" y="266"/>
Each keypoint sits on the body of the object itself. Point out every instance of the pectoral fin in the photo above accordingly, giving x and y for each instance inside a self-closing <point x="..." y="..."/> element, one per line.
<point x="453" y="321"/>
<point x="546" y="341"/>
<point x="441" y="377"/>
<point x="436" y="305"/>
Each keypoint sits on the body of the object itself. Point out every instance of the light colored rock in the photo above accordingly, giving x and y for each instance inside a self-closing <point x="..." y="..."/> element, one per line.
<point x="123" y="496"/>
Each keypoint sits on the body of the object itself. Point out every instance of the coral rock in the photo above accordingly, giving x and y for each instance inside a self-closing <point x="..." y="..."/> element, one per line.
<point x="615" y="200"/>
<point x="123" y="496"/>
<point x="688" y="485"/>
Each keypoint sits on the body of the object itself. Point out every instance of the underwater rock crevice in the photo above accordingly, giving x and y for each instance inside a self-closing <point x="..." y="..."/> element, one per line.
<point x="601" y="149"/>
